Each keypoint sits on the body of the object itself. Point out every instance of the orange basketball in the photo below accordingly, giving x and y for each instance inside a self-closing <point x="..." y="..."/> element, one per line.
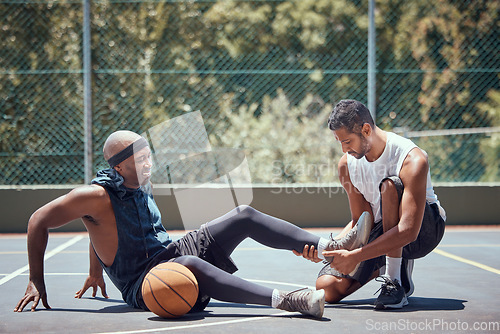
<point x="169" y="290"/>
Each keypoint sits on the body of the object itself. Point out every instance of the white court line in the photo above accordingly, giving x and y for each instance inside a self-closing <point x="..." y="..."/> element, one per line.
<point x="281" y="283"/>
<point x="54" y="274"/>
<point x="47" y="256"/>
<point x="227" y="322"/>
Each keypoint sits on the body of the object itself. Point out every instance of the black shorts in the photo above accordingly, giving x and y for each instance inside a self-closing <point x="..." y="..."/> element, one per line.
<point x="198" y="243"/>
<point x="431" y="233"/>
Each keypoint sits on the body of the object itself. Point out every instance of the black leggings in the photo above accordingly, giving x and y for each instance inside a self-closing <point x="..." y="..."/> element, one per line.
<point x="229" y="231"/>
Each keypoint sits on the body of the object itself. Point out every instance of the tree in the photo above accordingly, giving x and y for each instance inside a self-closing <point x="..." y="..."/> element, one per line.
<point x="40" y="130"/>
<point x="285" y="143"/>
<point x="490" y="146"/>
<point x="449" y="43"/>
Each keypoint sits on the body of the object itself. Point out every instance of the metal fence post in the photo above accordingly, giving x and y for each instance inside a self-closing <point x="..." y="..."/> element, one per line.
<point x="372" y="60"/>
<point x="87" y="93"/>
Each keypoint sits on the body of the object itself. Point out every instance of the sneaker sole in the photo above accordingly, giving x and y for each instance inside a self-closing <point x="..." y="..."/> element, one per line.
<point x="380" y="306"/>
<point x="318" y="300"/>
<point x="317" y="305"/>
<point x="410" y="280"/>
<point x="364" y="229"/>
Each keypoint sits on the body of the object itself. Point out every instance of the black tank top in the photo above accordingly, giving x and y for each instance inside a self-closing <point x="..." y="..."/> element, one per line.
<point x="141" y="234"/>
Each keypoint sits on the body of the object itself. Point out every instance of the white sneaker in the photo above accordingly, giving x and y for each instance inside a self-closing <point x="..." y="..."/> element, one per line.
<point x="357" y="237"/>
<point x="306" y="301"/>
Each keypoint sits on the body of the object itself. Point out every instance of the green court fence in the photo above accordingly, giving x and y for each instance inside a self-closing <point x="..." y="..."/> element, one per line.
<point x="264" y="75"/>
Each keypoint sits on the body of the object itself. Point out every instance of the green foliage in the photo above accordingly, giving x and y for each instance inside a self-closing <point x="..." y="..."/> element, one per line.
<point x="445" y="44"/>
<point x="154" y="60"/>
<point x="285" y="143"/>
<point x="490" y="147"/>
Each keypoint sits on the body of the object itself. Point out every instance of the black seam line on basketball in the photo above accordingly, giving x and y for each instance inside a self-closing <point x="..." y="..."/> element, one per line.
<point x="156" y="300"/>
<point x="191" y="306"/>
<point x="195" y="284"/>
<point x="185" y="301"/>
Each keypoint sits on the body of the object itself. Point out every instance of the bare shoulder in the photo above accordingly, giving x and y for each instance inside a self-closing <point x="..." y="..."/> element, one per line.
<point x="342" y="166"/>
<point x="79" y="202"/>
<point x="86" y="195"/>
<point x="343" y="161"/>
<point x="89" y="191"/>
<point x="416" y="163"/>
<point x="92" y="202"/>
<point x="344" y="177"/>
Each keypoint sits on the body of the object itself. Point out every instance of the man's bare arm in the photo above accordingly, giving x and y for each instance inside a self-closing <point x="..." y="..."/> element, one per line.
<point x="357" y="202"/>
<point x="54" y="214"/>
<point x="95" y="278"/>
<point x="414" y="177"/>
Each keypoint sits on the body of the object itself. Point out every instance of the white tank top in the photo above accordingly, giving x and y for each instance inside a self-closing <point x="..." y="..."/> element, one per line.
<point x="366" y="176"/>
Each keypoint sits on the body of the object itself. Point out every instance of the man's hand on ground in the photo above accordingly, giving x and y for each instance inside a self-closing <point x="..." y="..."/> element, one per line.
<point x="93" y="282"/>
<point x="34" y="292"/>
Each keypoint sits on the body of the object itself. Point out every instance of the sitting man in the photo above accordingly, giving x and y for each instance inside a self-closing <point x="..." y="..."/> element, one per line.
<point x="127" y="238"/>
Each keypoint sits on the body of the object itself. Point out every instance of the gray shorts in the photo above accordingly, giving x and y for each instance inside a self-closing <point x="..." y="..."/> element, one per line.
<point x="198" y="243"/>
<point x="431" y="233"/>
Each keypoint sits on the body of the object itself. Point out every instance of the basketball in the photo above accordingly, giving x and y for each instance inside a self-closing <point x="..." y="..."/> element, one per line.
<point x="169" y="290"/>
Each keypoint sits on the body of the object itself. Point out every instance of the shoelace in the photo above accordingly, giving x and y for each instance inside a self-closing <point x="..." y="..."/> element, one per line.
<point x="341" y="242"/>
<point x="387" y="287"/>
<point x="331" y="239"/>
<point x="295" y="301"/>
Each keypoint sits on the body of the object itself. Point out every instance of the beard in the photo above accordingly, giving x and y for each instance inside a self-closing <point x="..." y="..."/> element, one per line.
<point x="365" y="147"/>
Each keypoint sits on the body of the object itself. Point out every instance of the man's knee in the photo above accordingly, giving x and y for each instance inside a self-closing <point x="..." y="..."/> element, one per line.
<point x="391" y="188"/>
<point x="336" y="288"/>
<point x="388" y="189"/>
<point x="246" y="212"/>
<point x="191" y="262"/>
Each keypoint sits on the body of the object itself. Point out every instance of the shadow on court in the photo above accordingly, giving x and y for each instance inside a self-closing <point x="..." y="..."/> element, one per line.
<point x="415" y="304"/>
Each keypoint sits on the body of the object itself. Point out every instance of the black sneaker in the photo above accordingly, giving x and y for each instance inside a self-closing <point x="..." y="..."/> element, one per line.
<point x="392" y="294"/>
<point x="406" y="280"/>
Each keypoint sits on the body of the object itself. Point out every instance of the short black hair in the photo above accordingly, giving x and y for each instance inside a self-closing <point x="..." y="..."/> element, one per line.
<point x="351" y="115"/>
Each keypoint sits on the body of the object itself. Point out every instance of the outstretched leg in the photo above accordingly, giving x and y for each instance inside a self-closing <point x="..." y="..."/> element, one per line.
<point x="246" y="222"/>
<point x="223" y="286"/>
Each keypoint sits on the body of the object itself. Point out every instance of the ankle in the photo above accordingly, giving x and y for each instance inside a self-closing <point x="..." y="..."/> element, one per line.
<point x="276" y="298"/>
<point x="393" y="268"/>
<point x="323" y="244"/>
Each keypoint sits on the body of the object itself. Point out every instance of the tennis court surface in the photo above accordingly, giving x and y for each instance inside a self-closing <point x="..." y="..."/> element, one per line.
<point x="456" y="291"/>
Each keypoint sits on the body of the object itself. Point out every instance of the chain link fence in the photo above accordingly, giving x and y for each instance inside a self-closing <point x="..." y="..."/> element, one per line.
<point x="263" y="74"/>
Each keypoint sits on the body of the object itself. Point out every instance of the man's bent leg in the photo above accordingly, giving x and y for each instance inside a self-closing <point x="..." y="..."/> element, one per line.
<point x="390" y="210"/>
<point x="392" y="294"/>
<point x="390" y="202"/>
<point x="337" y="288"/>
<point x="246" y="222"/>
